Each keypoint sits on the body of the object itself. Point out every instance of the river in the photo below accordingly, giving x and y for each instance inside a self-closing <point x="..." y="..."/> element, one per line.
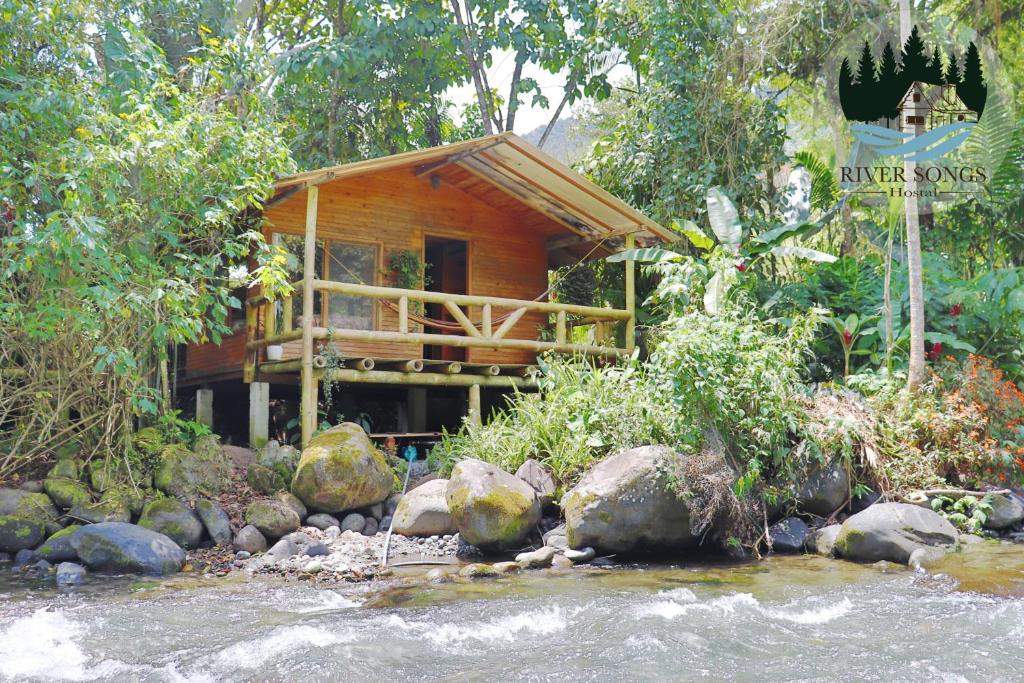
<point x="782" y="619"/>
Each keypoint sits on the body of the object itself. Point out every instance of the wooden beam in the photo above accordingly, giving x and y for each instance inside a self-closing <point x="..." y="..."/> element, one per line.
<point x="403" y="314"/>
<point x="461" y="318"/>
<point x="556" y="242"/>
<point x="474" y="405"/>
<point x="509" y="323"/>
<point x="560" y="327"/>
<point x="631" y="295"/>
<point x="454" y="158"/>
<point x="485" y="321"/>
<point x="432" y="379"/>
<point x="308" y="406"/>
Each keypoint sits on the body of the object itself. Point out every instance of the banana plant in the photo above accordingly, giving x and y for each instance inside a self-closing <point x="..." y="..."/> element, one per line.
<point x="728" y="230"/>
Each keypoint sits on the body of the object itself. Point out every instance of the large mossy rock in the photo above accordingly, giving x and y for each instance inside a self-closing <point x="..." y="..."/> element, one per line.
<point x="1006" y="512"/>
<point x="67" y="493"/>
<point x="110" y="508"/>
<point x="173" y="519"/>
<point x="36" y="507"/>
<point x="189" y="474"/>
<point x="341" y="470"/>
<point x="265" y="480"/>
<point x="216" y="521"/>
<point x="892" y="531"/>
<point x="424" y="511"/>
<point x="280" y="458"/>
<point x="18" y="533"/>
<point x="627" y="504"/>
<point x="825" y="489"/>
<point x="273" y="518"/>
<point x="58" y="548"/>
<point x="119" y="547"/>
<point x="537" y="476"/>
<point x="491" y="508"/>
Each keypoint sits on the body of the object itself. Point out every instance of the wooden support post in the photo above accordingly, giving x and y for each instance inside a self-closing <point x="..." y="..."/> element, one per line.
<point x="286" y="314"/>
<point x="474" y="405"/>
<point x="249" y="364"/>
<point x="269" y="319"/>
<point x="485" y="321"/>
<point x="599" y="333"/>
<point x="403" y="315"/>
<point x="259" y="414"/>
<point x="204" y="407"/>
<point x="631" y="295"/>
<point x="461" y="318"/>
<point x="309" y="384"/>
<point x="509" y="323"/>
<point x="560" y="327"/>
<point x="417" y="409"/>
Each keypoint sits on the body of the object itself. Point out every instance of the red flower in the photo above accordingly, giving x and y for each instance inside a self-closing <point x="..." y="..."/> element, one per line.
<point x="847" y="337"/>
<point x="955" y="310"/>
<point x="741" y="266"/>
<point x="935" y="351"/>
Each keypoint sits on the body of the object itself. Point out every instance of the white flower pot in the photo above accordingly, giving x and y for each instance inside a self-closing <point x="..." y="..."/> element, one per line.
<point x="275" y="352"/>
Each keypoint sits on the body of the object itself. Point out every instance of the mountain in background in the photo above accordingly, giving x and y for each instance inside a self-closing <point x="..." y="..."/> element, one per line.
<point x="569" y="142"/>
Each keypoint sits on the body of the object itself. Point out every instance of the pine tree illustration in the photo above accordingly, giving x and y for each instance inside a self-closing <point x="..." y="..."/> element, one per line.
<point x="866" y="107"/>
<point x="973" y="91"/>
<point x="890" y="85"/>
<point x="952" y="76"/>
<point x="914" y="60"/>
<point x="934" y="71"/>
<point x="846" y="90"/>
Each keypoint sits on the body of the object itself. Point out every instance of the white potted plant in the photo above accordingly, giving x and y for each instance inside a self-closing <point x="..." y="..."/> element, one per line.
<point x="275" y="352"/>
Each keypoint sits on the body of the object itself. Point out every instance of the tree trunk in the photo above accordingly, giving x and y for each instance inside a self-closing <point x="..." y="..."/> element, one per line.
<point x="513" y="91"/>
<point x="916" y="369"/>
<point x="474" y="69"/>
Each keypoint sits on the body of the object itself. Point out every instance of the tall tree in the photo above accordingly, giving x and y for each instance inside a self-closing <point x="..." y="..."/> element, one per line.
<point x="952" y="75"/>
<point x="867" y="86"/>
<point x="973" y="90"/>
<point x="846" y="90"/>
<point x="890" y="84"/>
<point x="914" y="60"/>
<point x="933" y="74"/>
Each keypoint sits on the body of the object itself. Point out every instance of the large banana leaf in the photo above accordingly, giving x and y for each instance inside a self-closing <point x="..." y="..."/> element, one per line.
<point x="804" y="252"/>
<point x="725" y="221"/>
<point x="694" y="234"/>
<point x="645" y="255"/>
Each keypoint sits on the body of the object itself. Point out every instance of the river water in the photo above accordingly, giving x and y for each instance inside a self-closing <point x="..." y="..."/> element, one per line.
<point x="783" y="619"/>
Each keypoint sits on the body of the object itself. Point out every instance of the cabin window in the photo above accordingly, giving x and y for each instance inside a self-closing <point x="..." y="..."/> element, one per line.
<point x="294" y="247"/>
<point x="357" y="264"/>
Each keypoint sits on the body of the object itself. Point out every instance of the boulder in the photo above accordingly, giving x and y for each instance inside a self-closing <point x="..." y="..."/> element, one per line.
<point x="826" y="488"/>
<point x="341" y="470"/>
<point x="19" y="533"/>
<point x="580" y="556"/>
<point x="282" y="550"/>
<point x="57" y="547"/>
<point x="215" y="521"/>
<point x="119" y="547"/>
<point x="65" y="468"/>
<point x="492" y="509"/>
<point x="535" y="474"/>
<point x="424" y="511"/>
<point x="536" y="559"/>
<point x="264" y="480"/>
<point x="67" y="493"/>
<point x="281" y="458"/>
<point x="132" y="499"/>
<point x="371" y="528"/>
<point x="892" y="531"/>
<point x="107" y="509"/>
<point x="249" y="540"/>
<point x="478" y="570"/>
<point x="625" y="504"/>
<point x="273" y="518"/>
<point x="1006" y="512"/>
<point x="103" y="474"/>
<point x="36" y="507"/>
<point x="789" y="535"/>
<point x="391" y="504"/>
<point x="189" y="475"/>
<point x="293" y="502"/>
<point x="70" y="574"/>
<point x="322" y="521"/>
<point x="353" y="522"/>
<point x="823" y="541"/>
<point x="174" y="519"/>
<point x="923" y="558"/>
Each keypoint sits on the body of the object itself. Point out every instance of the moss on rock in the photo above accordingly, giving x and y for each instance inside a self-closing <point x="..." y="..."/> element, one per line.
<point x="491" y="508"/>
<point x="18" y="533"/>
<point x="173" y="519"/>
<point x="341" y="470"/>
<point x="67" y="493"/>
<point x="189" y="475"/>
<point x="273" y="518"/>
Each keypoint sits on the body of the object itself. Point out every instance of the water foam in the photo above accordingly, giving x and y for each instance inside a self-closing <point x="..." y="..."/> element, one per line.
<point x="684" y="603"/>
<point x="42" y="645"/>
<point x="821" y="615"/>
<point x="506" y="629"/>
<point x="326" y="601"/>
<point x="255" y="653"/>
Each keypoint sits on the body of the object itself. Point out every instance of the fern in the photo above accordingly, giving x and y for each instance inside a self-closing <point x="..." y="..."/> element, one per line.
<point x="824" y="187"/>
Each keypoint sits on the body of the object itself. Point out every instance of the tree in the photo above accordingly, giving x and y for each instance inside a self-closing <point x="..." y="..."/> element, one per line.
<point x="914" y="60"/>
<point x="933" y="74"/>
<point x="973" y="90"/>
<point x="867" y="87"/>
<point x="952" y="75"/>
<point x="890" y="84"/>
<point x="846" y="90"/>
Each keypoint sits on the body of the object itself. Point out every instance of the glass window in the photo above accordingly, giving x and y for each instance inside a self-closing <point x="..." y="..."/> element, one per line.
<point x="357" y="264"/>
<point x="294" y="246"/>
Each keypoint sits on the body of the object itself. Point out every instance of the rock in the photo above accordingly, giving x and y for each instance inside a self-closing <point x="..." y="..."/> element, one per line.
<point x="215" y="521"/>
<point x="189" y="475"/>
<point x="391" y="504"/>
<point x="581" y="555"/>
<point x="507" y="567"/>
<point x="970" y="539"/>
<point x="23" y="557"/>
<point x="385" y="523"/>
<point x="128" y="498"/>
<point x="892" y="531"/>
<point x="322" y="521"/>
<point x="353" y="522"/>
<point x="281" y="458"/>
<point x="313" y="567"/>
<point x="57" y="547"/>
<point x="264" y="480"/>
<point x="922" y="558"/>
<point x="67" y="493"/>
<point x="250" y="540"/>
<point x="17" y="533"/>
<point x="1005" y="513"/>
<point x="293" y="502"/>
<point x="535" y="474"/>
<point x="300" y="539"/>
<point x="103" y="475"/>
<point x="341" y="470"/>
<point x="104" y="510"/>
<point x="442" y="574"/>
<point x="36" y="507"/>
<point x="5" y="557"/>
<point x="859" y="503"/>
<point x="243" y="554"/>
<point x="318" y="550"/>
<point x="174" y="519"/>
<point x="823" y="541"/>
<point x="624" y="504"/>
<point x="119" y="547"/>
<point x="273" y="518"/>
<point x="65" y="468"/>
<point x="561" y="562"/>
<point x="42" y="567"/>
<point x="424" y="511"/>
<point x="478" y="570"/>
<point x="559" y="542"/>
<point x="825" y="489"/>
<point x="371" y="527"/>
<point x="789" y="535"/>
<point x="376" y="511"/>
<point x="32" y="486"/>
<point x="282" y="550"/>
<point x="536" y="559"/>
<point x="332" y="532"/>
<point x="70" y="574"/>
<point x="492" y="509"/>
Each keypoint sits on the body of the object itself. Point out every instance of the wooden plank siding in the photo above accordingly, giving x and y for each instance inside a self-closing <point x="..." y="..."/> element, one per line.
<point x="394" y="209"/>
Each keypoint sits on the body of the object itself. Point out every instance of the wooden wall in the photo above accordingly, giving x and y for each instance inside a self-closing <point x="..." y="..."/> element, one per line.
<point x="395" y="209"/>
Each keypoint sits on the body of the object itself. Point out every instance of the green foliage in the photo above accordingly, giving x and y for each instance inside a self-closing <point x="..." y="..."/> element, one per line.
<point x="968" y="513"/>
<point x="406" y="270"/>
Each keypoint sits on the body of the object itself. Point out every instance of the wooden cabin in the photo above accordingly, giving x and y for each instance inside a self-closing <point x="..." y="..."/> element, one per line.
<point x="489" y="218"/>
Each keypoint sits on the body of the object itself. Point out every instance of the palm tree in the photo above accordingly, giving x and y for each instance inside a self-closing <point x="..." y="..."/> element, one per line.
<point x="915" y="371"/>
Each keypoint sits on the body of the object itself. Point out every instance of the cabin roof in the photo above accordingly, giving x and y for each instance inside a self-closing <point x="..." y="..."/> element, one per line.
<point x="517" y="168"/>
